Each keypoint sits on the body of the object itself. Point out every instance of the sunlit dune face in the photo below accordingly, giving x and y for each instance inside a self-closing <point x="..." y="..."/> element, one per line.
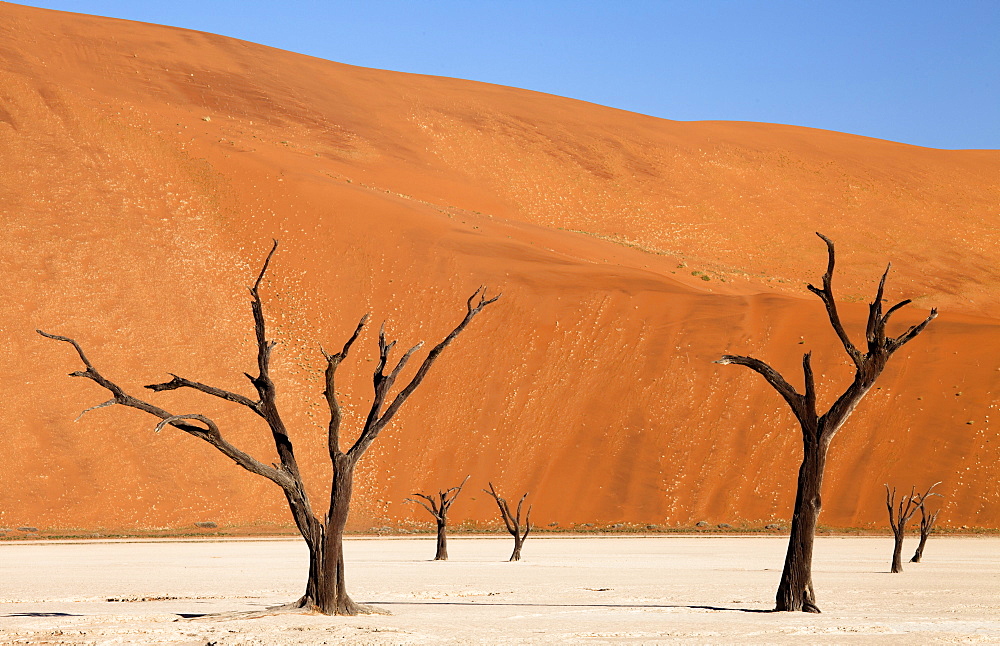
<point x="144" y="171"/>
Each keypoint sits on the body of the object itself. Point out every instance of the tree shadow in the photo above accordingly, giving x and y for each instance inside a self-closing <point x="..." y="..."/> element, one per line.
<point x="568" y="605"/>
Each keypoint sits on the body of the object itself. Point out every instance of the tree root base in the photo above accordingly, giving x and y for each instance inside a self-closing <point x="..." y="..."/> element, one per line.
<point x="294" y="608"/>
<point x="351" y="609"/>
<point x="806" y="607"/>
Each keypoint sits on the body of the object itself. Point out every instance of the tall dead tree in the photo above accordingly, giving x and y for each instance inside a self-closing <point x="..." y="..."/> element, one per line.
<point x="795" y="592"/>
<point x="899" y="515"/>
<point x="927" y="520"/>
<point x="513" y="520"/>
<point x="325" y="589"/>
<point x="438" y="506"/>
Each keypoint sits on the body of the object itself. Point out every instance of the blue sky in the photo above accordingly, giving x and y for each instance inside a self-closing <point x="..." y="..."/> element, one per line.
<point x="915" y="71"/>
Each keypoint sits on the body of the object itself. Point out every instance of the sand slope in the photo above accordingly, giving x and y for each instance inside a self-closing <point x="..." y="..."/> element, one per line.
<point x="145" y="169"/>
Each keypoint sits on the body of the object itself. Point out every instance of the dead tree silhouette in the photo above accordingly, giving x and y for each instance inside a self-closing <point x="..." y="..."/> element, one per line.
<point x="899" y="515"/>
<point x="325" y="589"/>
<point x="513" y="520"/>
<point x="439" y="505"/>
<point x="927" y="521"/>
<point x="795" y="592"/>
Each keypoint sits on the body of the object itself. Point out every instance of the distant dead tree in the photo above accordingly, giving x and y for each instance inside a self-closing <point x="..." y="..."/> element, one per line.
<point x="513" y="521"/>
<point x="325" y="589"/>
<point x="795" y="592"/>
<point x="927" y="520"/>
<point x="899" y="515"/>
<point x="438" y="505"/>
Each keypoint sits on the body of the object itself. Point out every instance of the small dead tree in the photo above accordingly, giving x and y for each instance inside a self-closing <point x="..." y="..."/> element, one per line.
<point x="927" y="520"/>
<point x="513" y="521"/>
<point x="795" y="591"/>
<point x="438" y="506"/>
<point x="325" y="589"/>
<point x="899" y="515"/>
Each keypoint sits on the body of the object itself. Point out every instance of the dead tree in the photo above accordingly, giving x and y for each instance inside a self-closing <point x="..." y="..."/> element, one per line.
<point x="325" y="590"/>
<point x="899" y="515"/>
<point x="439" y="506"/>
<point x="795" y="592"/>
<point x="513" y="521"/>
<point x="927" y="521"/>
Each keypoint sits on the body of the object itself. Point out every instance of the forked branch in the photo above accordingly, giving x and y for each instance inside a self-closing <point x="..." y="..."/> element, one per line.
<point x="795" y="592"/>
<point x="181" y="382"/>
<point x="927" y="521"/>
<point x="868" y="365"/>
<point x="513" y="520"/>
<point x="325" y="587"/>
<point x="439" y="504"/>
<point x="826" y="295"/>
<point x="908" y="505"/>
<point x="333" y="361"/>
<point x="378" y="418"/>
<point x="263" y="383"/>
<point x="795" y="400"/>
<point x="210" y="433"/>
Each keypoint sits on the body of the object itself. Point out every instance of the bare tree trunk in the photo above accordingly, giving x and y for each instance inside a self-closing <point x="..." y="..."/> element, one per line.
<point x="438" y="507"/>
<point x="442" y="541"/>
<point x="920" y="548"/>
<point x="331" y="594"/>
<point x="518" y="542"/>
<point x="897" y="553"/>
<point x="795" y="592"/>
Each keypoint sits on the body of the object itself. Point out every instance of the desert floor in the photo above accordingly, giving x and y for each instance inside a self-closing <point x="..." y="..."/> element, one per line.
<point x="566" y="590"/>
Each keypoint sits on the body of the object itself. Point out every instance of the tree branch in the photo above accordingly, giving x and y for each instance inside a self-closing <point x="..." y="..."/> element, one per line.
<point x="508" y="518"/>
<point x="402" y="362"/>
<point x="110" y="402"/>
<point x="433" y="509"/>
<point x="213" y="428"/>
<point x="519" y="504"/>
<point x="377" y="421"/>
<point x="913" y="331"/>
<point x="181" y="382"/>
<point x="330" y="392"/>
<point x="922" y="498"/>
<point x="794" y="399"/>
<point x="885" y="318"/>
<point x="448" y="499"/>
<point x="210" y="435"/>
<point x="826" y="295"/>
<point x="875" y="328"/>
<point x="908" y="506"/>
<point x="527" y="523"/>
<point x="809" y="399"/>
<point x="265" y="386"/>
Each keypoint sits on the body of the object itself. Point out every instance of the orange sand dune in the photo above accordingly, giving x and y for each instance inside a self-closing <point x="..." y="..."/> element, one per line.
<point x="145" y="169"/>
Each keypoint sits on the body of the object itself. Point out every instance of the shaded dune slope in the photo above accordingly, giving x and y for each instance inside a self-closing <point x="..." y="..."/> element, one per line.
<point x="144" y="171"/>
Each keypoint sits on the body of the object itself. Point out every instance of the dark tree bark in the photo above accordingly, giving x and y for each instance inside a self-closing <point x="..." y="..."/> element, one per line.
<point x="795" y="592"/>
<point x="438" y="507"/>
<point x="899" y="515"/>
<point x="513" y="521"/>
<point x="927" y="520"/>
<point x="325" y="588"/>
